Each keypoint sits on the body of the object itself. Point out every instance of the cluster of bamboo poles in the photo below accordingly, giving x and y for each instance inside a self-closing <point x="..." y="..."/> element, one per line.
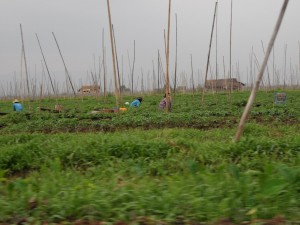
<point x="118" y="79"/>
<point x="160" y="79"/>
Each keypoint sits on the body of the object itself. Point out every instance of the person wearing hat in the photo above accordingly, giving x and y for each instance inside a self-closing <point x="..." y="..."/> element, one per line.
<point x="136" y="103"/>
<point x="17" y="106"/>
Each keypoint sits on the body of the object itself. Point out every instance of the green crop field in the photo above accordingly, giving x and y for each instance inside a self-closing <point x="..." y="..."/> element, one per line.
<point x="146" y="166"/>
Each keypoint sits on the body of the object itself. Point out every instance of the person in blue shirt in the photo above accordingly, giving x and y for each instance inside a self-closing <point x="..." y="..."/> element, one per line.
<point x="136" y="103"/>
<point x="17" y="106"/>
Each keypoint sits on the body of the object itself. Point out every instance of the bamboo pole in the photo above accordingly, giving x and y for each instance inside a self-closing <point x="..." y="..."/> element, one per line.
<point x="104" y="65"/>
<point x="217" y="43"/>
<point x="26" y="70"/>
<point x="122" y="72"/>
<point x="94" y="82"/>
<point x="291" y="73"/>
<point x="148" y="81"/>
<point x="167" y="63"/>
<point x="230" y="49"/>
<point x="299" y="56"/>
<point x="224" y="75"/>
<point x="66" y="70"/>
<point x="251" y="67"/>
<point x="158" y="69"/>
<point x="137" y="83"/>
<point x="113" y="56"/>
<point x="46" y="65"/>
<point x="165" y="43"/>
<point x="153" y="76"/>
<point x="258" y="67"/>
<point x="66" y="86"/>
<point x="162" y="73"/>
<point x="284" y="73"/>
<point x="10" y="87"/>
<point x="22" y="92"/>
<point x="96" y="77"/>
<point x="274" y="71"/>
<point x="142" y="82"/>
<point x="42" y="83"/>
<point x="100" y="69"/>
<point x="129" y="74"/>
<point x="115" y="49"/>
<point x="208" y="56"/>
<point x="34" y="84"/>
<point x="198" y="78"/>
<point x="212" y="83"/>
<point x="3" y="91"/>
<point x="15" y="93"/>
<point x="193" y="85"/>
<point x="238" y="73"/>
<point x="269" y="82"/>
<point x="175" y="79"/>
<point x="132" y="71"/>
<point x="260" y="74"/>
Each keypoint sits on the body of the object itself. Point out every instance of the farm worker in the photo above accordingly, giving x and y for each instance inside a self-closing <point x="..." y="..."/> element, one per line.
<point x="17" y="106"/>
<point x="163" y="104"/>
<point x="136" y="102"/>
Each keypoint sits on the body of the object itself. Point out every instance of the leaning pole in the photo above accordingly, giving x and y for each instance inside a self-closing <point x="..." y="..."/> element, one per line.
<point x="113" y="56"/>
<point x="260" y="74"/>
<point x="208" y="55"/>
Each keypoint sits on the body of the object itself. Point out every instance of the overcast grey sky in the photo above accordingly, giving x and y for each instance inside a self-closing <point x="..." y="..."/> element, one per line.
<point x="78" y="27"/>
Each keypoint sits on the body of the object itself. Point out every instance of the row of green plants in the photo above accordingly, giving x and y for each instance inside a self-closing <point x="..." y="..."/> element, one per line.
<point x="156" y="174"/>
<point x="55" y="195"/>
<point x="55" y="168"/>
<point x="25" y="152"/>
<point x="187" y="111"/>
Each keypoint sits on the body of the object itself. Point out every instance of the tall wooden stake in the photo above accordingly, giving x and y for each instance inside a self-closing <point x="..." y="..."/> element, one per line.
<point x="297" y="73"/>
<point x="96" y="77"/>
<point x="100" y="69"/>
<point x="284" y="71"/>
<point x="269" y="82"/>
<point x="66" y="70"/>
<point x="122" y="75"/>
<point x="230" y="50"/>
<point x="115" y="48"/>
<point x="167" y="62"/>
<point x="224" y="71"/>
<point x="175" y="79"/>
<point x="113" y="56"/>
<point x="22" y="92"/>
<point x="158" y="69"/>
<point x="299" y="54"/>
<point x="260" y="74"/>
<point x="104" y="65"/>
<point x="46" y="65"/>
<point x="193" y="85"/>
<point x="208" y="56"/>
<point x="26" y="70"/>
<point x="217" y="43"/>
<point x="132" y="71"/>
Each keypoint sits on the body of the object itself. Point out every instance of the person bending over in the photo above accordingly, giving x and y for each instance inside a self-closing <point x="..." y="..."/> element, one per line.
<point x="163" y="104"/>
<point x="136" y="103"/>
<point x="17" y="106"/>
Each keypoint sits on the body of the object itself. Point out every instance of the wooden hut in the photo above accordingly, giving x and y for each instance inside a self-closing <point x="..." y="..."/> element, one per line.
<point x="89" y="89"/>
<point x="224" y="84"/>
